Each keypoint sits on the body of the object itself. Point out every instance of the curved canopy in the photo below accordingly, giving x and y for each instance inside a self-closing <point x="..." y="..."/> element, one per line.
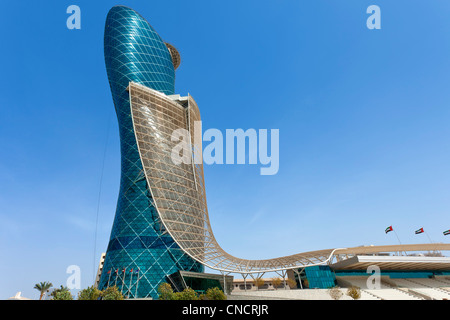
<point x="178" y="190"/>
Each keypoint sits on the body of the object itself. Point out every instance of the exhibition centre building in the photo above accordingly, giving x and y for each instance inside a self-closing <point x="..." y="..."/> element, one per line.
<point x="161" y="230"/>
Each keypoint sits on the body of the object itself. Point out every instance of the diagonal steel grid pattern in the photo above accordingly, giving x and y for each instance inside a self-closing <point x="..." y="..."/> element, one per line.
<point x="140" y="252"/>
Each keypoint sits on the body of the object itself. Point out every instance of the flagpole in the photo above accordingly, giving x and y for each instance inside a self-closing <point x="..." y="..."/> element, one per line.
<point x="399" y="241"/>
<point x="129" y="289"/>
<point x="123" y="279"/>
<point x="109" y="278"/>
<point x="431" y="241"/>
<point x="428" y="236"/>
<point x="137" y="284"/>
<point x="117" y="275"/>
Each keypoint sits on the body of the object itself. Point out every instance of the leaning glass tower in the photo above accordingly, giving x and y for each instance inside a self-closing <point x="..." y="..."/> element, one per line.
<point x="140" y="254"/>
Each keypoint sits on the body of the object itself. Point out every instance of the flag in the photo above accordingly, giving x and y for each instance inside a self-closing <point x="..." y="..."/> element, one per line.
<point x="131" y="271"/>
<point x="419" y="231"/>
<point x="109" y="272"/>
<point x="137" y="270"/>
<point x="388" y="229"/>
<point x="123" y="270"/>
<point x="446" y="232"/>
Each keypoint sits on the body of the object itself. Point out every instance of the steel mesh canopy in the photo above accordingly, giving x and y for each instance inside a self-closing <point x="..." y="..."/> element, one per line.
<point x="178" y="190"/>
<point x="175" y="55"/>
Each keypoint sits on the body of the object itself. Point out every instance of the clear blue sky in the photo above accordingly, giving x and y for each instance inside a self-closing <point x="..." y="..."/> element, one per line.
<point x="364" y="122"/>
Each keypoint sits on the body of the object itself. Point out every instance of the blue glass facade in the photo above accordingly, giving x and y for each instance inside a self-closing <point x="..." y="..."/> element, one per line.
<point x="139" y="254"/>
<point x="320" y="277"/>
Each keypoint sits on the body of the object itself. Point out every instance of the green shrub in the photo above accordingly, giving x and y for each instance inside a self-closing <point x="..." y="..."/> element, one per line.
<point x="62" y="293"/>
<point x="165" y="292"/>
<point x="335" y="293"/>
<point x="354" y="292"/>
<point x="215" y="294"/>
<point x="186" y="294"/>
<point x="89" y="293"/>
<point x="111" y="293"/>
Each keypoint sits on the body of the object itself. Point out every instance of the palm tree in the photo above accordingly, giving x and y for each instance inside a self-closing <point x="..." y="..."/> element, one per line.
<point x="43" y="287"/>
